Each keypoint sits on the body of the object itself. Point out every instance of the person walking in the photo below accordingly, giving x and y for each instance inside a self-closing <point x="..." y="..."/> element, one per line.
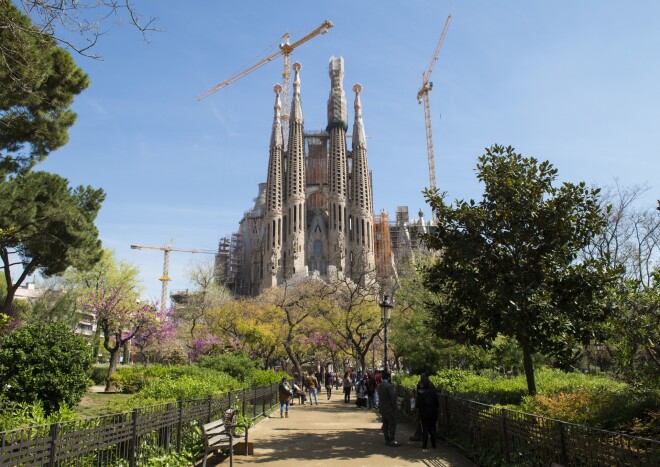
<point x="387" y="409"/>
<point x="312" y="386"/>
<point x="361" y="393"/>
<point x="347" y="388"/>
<point x="371" y="390"/>
<point x="328" y="384"/>
<point x="285" y="394"/>
<point x="428" y="406"/>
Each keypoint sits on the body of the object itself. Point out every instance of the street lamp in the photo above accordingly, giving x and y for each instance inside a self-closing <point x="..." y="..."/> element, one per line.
<point x="385" y="312"/>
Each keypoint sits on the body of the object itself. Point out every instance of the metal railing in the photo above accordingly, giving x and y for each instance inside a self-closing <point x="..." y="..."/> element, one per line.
<point x="495" y="436"/>
<point x="129" y="438"/>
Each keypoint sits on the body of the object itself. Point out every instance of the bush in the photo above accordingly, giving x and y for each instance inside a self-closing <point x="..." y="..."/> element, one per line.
<point x="237" y="365"/>
<point x="45" y="363"/>
<point x="267" y="377"/>
<point x="99" y="374"/>
<point x="14" y="415"/>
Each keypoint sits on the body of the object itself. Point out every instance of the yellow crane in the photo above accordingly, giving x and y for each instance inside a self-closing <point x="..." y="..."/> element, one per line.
<point x="166" y="264"/>
<point x="423" y="95"/>
<point x="285" y="50"/>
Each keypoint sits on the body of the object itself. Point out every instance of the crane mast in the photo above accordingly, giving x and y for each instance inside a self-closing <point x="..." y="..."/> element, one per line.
<point x="423" y="95"/>
<point x="165" y="278"/>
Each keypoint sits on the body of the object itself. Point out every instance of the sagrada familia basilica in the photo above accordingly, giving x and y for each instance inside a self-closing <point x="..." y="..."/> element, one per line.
<point x="314" y="216"/>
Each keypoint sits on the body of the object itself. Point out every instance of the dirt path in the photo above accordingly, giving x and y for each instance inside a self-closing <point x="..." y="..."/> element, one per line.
<point x="334" y="433"/>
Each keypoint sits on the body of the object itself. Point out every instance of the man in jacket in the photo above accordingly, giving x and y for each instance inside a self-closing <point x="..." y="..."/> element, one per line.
<point x="387" y="408"/>
<point x="312" y="385"/>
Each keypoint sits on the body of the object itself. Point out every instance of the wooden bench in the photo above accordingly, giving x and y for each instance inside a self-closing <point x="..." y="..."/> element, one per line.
<point x="221" y="435"/>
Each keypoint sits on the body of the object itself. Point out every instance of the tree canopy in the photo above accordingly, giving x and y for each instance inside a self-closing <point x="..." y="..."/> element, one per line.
<point x="39" y="82"/>
<point x="45" y="225"/>
<point x="508" y="262"/>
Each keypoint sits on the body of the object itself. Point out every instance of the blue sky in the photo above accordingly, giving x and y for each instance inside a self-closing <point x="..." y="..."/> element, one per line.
<point x="576" y="83"/>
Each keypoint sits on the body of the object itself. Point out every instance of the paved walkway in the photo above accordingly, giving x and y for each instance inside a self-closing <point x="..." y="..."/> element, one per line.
<point x="334" y="433"/>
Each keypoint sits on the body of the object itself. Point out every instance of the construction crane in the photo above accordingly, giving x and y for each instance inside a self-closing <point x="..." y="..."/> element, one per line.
<point x="423" y="95"/>
<point x="166" y="264"/>
<point x="285" y="50"/>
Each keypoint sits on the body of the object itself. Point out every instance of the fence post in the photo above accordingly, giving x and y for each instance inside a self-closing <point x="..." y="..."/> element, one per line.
<point x="53" y="440"/>
<point x="179" y="425"/>
<point x="505" y="438"/>
<point x="228" y="400"/>
<point x="210" y="409"/>
<point x="134" y="440"/>
<point x="562" y="444"/>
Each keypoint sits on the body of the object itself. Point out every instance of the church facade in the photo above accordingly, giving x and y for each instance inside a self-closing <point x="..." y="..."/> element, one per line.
<point x="314" y="215"/>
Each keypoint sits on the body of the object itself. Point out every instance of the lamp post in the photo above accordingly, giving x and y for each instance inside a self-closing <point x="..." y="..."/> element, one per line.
<point x="385" y="312"/>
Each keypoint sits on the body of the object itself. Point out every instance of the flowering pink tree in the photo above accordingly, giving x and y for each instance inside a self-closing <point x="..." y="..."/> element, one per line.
<point x="204" y="344"/>
<point x="159" y="330"/>
<point x="120" y="317"/>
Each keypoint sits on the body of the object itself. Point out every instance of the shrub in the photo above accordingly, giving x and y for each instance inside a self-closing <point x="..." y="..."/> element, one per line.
<point x="99" y="374"/>
<point x="238" y="365"/>
<point x="267" y="377"/>
<point x="14" y="415"/>
<point x="46" y="363"/>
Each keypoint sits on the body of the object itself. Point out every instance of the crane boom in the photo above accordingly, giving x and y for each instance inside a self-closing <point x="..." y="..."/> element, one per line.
<point x="285" y="49"/>
<point x="423" y="95"/>
<point x="166" y="264"/>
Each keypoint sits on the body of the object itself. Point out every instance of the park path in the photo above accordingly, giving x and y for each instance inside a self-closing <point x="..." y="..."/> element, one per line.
<point x="335" y="433"/>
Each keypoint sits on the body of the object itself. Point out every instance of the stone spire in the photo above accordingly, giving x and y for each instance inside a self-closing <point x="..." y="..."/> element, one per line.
<point x="295" y="210"/>
<point x="361" y="203"/>
<point x="337" y="117"/>
<point x="273" y="216"/>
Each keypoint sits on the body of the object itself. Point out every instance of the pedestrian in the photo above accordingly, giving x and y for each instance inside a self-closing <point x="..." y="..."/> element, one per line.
<point x="387" y="409"/>
<point x="361" y="393"/>
<point x="371" y="390"/>
<point x="328" y="384"/>
<point x="418" y="423"/>
<point x="428" y="405"/>
<point x="347" y="388"/>
<point x="312" y="385"/>
<point x="285" y="395"/>
<point x="298" y="389"/>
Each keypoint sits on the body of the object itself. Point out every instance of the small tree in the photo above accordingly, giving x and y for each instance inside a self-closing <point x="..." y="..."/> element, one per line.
<point x="120" y="317"/>
<point x="47" y="363"/>
<point x="508" y="263"/>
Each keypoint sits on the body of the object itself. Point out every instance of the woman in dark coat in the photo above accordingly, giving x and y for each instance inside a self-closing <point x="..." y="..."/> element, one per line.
<point x="428" y="405"/>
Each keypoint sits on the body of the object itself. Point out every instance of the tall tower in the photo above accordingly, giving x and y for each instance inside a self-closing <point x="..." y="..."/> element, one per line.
<point x="361" y="235"/>
<point x="337" y="118"/>
<point x="272" y="226"/>
<point x="295" y="211"/>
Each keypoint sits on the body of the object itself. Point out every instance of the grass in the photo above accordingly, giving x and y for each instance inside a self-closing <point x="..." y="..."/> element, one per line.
<point x="94" y="403"/>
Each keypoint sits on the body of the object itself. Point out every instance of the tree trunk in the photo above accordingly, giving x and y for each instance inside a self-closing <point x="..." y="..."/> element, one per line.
<point x="114" y="362"/>
<point x="529" y="366"/>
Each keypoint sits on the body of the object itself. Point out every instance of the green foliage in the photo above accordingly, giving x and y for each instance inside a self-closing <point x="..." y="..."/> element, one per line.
<point x="55" y="307"/>
<point x="238" y="365"/>
<point x="46" y="363"/>
<point x="267" y="377"/>
<point x="592" y="400"/>
<point x="99" y="374"/>
<point x="508" y="264"/>
<point x="159" y="383"/>
<point x="49" y="224"/>
<point x="14" y="415"/>
<point x="634" y="332"/>
<point x="39" y="82"/>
